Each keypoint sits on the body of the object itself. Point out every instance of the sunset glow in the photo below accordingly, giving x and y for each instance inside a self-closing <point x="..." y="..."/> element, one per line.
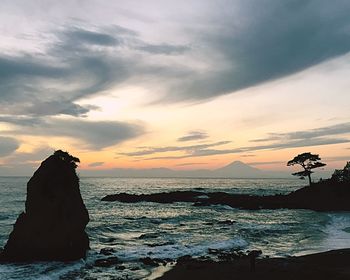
<point x="131" y="85"/>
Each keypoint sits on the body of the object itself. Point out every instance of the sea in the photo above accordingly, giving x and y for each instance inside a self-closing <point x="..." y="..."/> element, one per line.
<point x="169" y="231"/>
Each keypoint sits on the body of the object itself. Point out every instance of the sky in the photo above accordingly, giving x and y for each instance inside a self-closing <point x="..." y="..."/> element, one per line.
<point x="187" y="84"/>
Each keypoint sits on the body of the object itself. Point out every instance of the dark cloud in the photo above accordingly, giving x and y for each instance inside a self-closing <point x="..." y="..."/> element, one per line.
<point x="271" y="137"/>
<point x="338" y="129"/>
<point x="8" y="145"/>
<point x="24" y="163"/>
<point x="343" y="128"/>
<point x="191" y="163"/>
<point x="327" y="159"/>
<point x="78" y="64"/>
<point x="298" y="143"/>
<point x="266" y="162"/>
<point x="26" y="66"/>
<point x="276" y="141"/>
<point x="193" y="135"/>
<point x="275" y="146"/>
<point x="20" y="120"/>
<point x="247" y="155"/>
<point x="192" y="148"/>
<point x="163" y="49"/>
<point x="338" y="158"/>
<point x="34" y="87"/>
<point x="29" y="158"/>
<point x="60" y="108"/>
<point x="94" y="134"/>
<point x="91" y="37"/>
<point x="96" y="164"/>
<point x="264" y="41"/>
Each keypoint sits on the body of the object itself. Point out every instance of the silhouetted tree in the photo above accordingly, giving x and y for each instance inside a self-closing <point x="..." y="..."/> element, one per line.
<point x="342" y="175"/>
<point x="308" y="162"/>
<point x="67" y="157"/>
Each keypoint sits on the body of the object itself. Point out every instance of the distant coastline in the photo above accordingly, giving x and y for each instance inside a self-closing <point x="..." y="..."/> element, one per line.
<point x="234" y="170"/>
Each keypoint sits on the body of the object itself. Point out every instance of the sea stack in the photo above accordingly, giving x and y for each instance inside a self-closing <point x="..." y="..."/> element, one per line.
<point x="52" y="228"/>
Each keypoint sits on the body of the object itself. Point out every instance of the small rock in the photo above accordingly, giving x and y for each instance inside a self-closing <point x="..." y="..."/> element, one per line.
<point x="252" y="256"/>
<point x="149" y="261"/>
<point x="149" y="235"/>
<point x="107" y="251"/>
<point x="226" y="222"/>
<point x="107" y="262"/>
<point x="254" y="253"/>
<point x="204" y="259"/>
<point x="184" y="259"/>
<point x="159" y="244"/>
<point x="213" y="251"/>
<point x="228" y="256"/>
<point x="168" y="260"/>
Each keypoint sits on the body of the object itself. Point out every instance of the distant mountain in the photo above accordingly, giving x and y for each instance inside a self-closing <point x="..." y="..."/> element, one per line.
<point x="236" y="169"/>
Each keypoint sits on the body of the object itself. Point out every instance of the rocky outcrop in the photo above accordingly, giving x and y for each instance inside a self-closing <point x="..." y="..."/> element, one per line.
<point x="170" y="197"/>
<point x="53" y="224"/>
<point x="324" y="196"/>
<point x="320" y="266"/>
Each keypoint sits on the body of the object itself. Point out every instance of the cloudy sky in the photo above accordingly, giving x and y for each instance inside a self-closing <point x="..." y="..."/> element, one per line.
<point x="178" y="84"/>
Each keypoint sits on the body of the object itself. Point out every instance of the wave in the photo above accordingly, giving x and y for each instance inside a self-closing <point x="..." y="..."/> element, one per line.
<point x="40" y="270"/>
<point x="337" y="231"/>
<point x="173" y="251"/>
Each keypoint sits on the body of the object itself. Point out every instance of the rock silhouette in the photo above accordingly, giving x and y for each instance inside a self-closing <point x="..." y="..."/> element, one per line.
<point x="53" y="224"/>
<point x="321" y="266"/>
<point x="327" y="195"/>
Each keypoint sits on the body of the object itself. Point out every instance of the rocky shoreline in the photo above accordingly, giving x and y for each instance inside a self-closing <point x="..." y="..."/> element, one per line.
<point x="322" y="196"/>
<point x="238" y="264"/>
<point x="322" y="266"/>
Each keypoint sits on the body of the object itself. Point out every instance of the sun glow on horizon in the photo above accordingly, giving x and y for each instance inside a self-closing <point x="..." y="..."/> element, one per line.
<point x="185" y="91"/>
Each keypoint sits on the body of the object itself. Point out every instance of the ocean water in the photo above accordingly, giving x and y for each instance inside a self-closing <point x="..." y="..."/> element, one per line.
<point x="169" y="231"/>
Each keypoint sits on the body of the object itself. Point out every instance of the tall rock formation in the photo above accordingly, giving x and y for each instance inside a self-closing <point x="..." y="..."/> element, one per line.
<point x="53" y="224"/>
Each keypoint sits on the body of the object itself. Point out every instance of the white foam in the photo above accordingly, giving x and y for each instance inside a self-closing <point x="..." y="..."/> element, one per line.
<point x="177" y="250"/>
<point x="337" y="237"/>
<point x="38" y="271"/>
<point x="61" y="270"/>
<point x="202" y="196"/>
<point x="159" y="271"/>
